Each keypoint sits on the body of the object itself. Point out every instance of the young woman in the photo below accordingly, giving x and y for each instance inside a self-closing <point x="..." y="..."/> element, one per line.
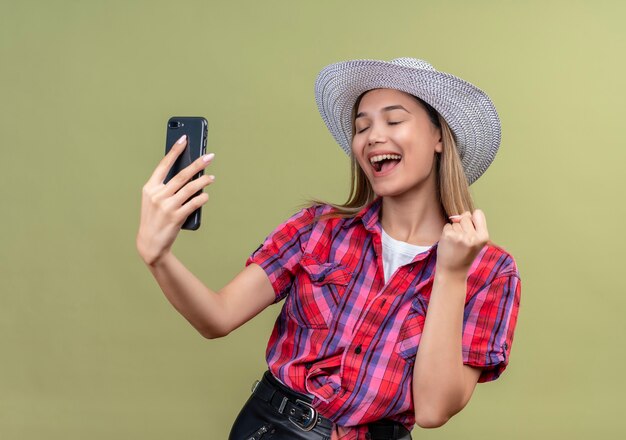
<point x="405" y="263"/>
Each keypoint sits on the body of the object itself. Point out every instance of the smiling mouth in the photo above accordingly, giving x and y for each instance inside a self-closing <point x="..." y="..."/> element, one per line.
<point x="385" y="162"/>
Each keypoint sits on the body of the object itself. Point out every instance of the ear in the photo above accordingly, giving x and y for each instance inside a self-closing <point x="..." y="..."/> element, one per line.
<point x="439" y="144"/>
<point x="437" y="135"/>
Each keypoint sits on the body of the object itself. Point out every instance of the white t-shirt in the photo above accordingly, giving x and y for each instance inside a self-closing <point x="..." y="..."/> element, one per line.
<point x="397" y="253"/>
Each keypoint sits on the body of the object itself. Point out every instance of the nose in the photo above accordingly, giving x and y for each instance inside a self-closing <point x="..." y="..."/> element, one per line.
<point x="376" y="135"/>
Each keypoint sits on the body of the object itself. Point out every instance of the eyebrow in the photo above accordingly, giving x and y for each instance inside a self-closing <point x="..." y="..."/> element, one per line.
<point x="386" y="109"/>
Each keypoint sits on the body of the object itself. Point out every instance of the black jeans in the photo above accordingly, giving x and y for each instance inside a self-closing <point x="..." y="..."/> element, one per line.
<point x="260" y="419"/>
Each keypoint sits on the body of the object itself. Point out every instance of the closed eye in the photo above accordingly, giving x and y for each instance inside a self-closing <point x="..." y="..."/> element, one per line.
<point x="390" y="123"/>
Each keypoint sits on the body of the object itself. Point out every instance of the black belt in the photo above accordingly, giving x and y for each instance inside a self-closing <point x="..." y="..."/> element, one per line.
<point x="297" y="408"/>
<point x="386" y="430"/>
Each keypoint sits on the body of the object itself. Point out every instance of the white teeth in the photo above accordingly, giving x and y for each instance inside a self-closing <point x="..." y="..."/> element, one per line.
<point x="380" y="157"/>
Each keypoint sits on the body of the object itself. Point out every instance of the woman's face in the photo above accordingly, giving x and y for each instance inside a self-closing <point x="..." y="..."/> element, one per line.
<point x="395" y="142"/>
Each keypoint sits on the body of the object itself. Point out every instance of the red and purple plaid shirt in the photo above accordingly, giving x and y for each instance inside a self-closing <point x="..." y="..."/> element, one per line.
<point x="350" y="339"/>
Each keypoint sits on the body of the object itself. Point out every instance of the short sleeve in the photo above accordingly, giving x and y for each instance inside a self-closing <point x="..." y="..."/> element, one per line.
<point x="489" y="324"/>
<point x="281" y="251"/>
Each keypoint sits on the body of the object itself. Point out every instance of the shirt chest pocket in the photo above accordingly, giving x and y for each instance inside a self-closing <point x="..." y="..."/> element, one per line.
<point x="411" y="330"/>
<point x="316" y="292"/>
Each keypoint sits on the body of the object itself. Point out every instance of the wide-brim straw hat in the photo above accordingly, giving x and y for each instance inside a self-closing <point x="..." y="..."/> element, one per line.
<point x="469" y="112"/>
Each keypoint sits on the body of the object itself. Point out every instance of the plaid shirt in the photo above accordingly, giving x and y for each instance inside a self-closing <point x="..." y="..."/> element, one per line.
<point x="350" y="339"/>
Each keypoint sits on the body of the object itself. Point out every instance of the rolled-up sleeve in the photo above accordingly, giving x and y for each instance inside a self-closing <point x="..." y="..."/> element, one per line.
<point x="282" y="250"/>
<point x="489" y="324"/>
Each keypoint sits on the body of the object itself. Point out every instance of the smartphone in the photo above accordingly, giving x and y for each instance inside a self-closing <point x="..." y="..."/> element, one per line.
<point x="196" y="128"/>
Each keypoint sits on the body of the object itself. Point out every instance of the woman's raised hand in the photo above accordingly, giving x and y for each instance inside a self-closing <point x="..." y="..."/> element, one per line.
<point x="163" y="207"/>
<point x="461" y="241"/>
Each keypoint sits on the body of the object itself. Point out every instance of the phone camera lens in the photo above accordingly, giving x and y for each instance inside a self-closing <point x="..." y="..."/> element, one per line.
<point x="175" y="124"/>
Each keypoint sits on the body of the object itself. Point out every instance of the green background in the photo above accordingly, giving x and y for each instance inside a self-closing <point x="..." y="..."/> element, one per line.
<point x="89" y="345"/>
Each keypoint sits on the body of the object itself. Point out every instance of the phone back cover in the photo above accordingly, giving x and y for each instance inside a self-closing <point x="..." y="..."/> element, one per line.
<point x="196" y="129"/>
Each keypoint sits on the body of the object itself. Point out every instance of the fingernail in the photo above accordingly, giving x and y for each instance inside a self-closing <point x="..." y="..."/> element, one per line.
<point x="181" y="139"/>
<point x="455" y="216"/>
<point x="208" y="157"/>
<point x="211" y="176"/>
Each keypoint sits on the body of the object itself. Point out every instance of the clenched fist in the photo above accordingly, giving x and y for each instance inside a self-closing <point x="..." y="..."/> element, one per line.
<point x="461" y="241"/>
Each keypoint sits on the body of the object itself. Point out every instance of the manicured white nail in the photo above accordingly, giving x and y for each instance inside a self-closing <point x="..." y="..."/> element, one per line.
<point x="212" y="177"/>
<point x="208" y="157"/>
<point x="456" y="216"/>
<point x="181" y="139"/>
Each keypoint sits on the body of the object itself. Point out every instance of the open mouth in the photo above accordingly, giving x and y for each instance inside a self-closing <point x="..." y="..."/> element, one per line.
<point x="384" y="162"/>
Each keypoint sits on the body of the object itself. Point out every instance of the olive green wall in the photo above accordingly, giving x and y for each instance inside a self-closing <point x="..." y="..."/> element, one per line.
<point x="89" y="345"/>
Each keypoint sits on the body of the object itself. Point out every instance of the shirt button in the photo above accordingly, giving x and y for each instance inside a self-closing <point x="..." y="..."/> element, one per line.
<point x="357" y="350"/>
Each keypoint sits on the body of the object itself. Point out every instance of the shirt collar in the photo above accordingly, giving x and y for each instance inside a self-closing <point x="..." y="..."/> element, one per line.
<point x="368" y="215"/>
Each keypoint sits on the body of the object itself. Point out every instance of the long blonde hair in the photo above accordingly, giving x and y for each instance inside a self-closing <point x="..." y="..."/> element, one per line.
<point x="452" y="187"/>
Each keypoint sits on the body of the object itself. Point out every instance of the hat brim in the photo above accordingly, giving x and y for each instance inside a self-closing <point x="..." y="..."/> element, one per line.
<point x="469" y="112"/>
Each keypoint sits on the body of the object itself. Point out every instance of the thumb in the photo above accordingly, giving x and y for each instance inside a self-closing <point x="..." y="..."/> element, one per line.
<point x="480" y="223"/>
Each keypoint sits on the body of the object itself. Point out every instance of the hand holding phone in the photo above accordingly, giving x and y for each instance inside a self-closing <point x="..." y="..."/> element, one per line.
<point x="168" y="203"/>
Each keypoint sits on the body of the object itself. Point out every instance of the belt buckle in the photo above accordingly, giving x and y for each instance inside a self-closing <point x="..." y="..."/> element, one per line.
<point x="312" y="417"/>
